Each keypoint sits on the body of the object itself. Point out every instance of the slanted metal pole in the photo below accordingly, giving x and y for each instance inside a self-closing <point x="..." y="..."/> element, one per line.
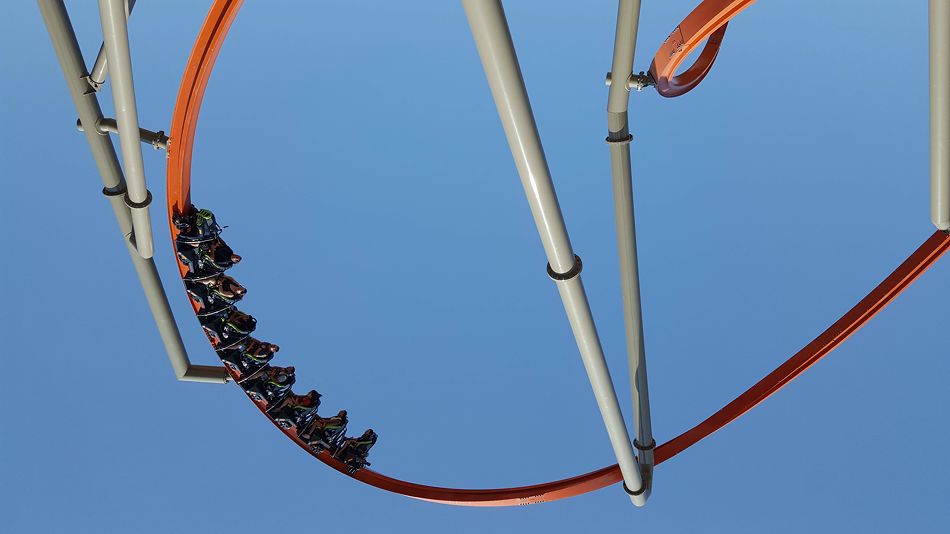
<point x="493" y="39"/>
<point x="116" y="34"/>
<point x="939" y="22"/>
<point x="618" y="138"/>
<point x="70" y="60"/>
<point x="101" y="68"/>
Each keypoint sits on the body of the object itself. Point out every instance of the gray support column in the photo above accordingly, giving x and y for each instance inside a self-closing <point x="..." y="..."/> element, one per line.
<point x="101" y="67"/>
<point x="116" y="34"/>
<point x="618" y="139"/>
<point x="939" y="22"/>
<point x="70" y="60"/>
<point x="493" y="40"/>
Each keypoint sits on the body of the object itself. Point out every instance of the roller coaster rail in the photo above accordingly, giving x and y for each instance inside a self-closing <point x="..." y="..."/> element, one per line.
<point x="126" y="189"/>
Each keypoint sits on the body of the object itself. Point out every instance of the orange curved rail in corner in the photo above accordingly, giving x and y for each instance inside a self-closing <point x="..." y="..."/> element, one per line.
<point x="185" y="119"/>
<point x="708" y="23"/>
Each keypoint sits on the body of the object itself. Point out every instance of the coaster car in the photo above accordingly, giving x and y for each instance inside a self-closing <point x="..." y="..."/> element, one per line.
<point x="207" y="258"/>
<point x="324" y="433"/>
<point x="354" y="451"/>
<point x="247" y="357"/>
<point x="224" y="329"/>
<point x="295" y="411"/>
<point x="196" y="227"/>
<point x="269" y="385"/>
<point x="216" y="293"/>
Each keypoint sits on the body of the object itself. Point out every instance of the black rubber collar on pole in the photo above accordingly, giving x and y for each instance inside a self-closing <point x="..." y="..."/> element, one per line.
<point x="649" y="447"/>
<point x="575" y="270"/>
<point x="139" y="205"/>
<point x="116" y="191"/>
<point x="643" y="487"/>
<point x="624" y="141"/>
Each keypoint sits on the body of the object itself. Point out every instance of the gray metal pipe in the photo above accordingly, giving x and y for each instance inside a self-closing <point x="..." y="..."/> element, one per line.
<point x="104" y="126"/>
<point x="70" y="60"/>
<point x="618" y="138"/>
<point x="208" y="374"/>
<point x="87" y="105"/>
<point x="939" y="45"/>
<point x="501" y="67"/>
<point x="101" y="67"/>
<point x="493" y="40"/>
<point x="625" y="44"/>
<point x="116" y="34"/>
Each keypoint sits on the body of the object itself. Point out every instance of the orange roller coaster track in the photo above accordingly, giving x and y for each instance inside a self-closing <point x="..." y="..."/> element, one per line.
<point x="194" y="82"/>
<point x="708" y="23"/>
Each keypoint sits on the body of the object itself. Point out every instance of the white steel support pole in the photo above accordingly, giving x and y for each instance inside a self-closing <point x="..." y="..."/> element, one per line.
<point x="115" y="32"/>
<point x="493" y="40"/>
<point x="101" y="67"/>
<point x="67" y="51"/>
<point x="618" y="139"/>
<point x="939" y="22"/>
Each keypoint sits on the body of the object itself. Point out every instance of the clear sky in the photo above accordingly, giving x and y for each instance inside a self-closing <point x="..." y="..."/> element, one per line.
<point x="355" y="153"/>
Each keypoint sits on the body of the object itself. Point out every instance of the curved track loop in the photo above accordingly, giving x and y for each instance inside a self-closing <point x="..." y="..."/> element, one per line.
<point x="707" y="21"/>
<point x="184" y="122"/>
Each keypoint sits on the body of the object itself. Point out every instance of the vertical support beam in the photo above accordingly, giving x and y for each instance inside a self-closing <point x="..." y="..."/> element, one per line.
<point x="116" y="34"/>
<point x="101" y="67"/>
<point x="939" y="22"/>
<point x="70" y="60"/>
<point x="493" y="40"/>
<point x="618" y="139"/>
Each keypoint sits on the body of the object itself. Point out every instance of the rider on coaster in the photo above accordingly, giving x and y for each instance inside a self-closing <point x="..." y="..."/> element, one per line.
<point x="218" y="291"/>
<point x="294" y="410"/>
<point x="324" y="433"/>
<point x="197" y="227"/>
<point x="353" y="451"/>
<point x="207" y="258"/>
<point x="270" y="385"/>
<point x="223" y="329"/>
<point x="248" y="356"/>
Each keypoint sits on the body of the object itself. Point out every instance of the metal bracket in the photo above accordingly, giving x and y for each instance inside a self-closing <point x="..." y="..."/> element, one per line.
<point x="635" y="81"/>
<point x="93" y="84"/>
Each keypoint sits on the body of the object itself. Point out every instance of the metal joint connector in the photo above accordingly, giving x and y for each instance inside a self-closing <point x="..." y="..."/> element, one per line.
<point x="98" y="130"/>
<point x="93" y="84"/>
<point x="636" y="81"/>
<point x="104" y="126"/>
<point x="640" y="81"/>
<point x="160" y="142"/>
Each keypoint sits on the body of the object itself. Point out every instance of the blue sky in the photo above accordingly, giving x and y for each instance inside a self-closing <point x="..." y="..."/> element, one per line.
<point x="356" y="155"/>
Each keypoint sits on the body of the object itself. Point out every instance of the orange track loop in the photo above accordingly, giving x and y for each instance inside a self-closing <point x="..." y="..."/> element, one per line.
<point x="184" y="122"/>
<point x="707" y="21"/>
